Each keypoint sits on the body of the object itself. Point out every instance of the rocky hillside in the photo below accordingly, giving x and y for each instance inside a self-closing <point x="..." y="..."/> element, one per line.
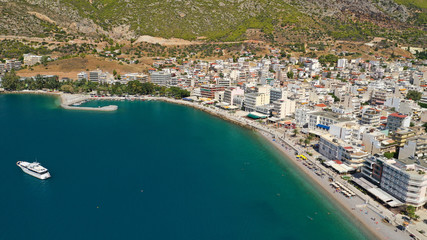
<point x="224" y="20"/>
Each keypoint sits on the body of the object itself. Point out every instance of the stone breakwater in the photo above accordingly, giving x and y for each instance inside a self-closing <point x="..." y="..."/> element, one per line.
<point x="68" y="100"/>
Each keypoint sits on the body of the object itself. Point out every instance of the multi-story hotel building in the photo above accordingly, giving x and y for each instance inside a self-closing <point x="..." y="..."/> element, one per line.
<point x="405" y="180"/>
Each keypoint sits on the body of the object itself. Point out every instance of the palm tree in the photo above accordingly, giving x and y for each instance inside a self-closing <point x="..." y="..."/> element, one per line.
<point x="295" y="132"/>
<point x="306" y="141"/>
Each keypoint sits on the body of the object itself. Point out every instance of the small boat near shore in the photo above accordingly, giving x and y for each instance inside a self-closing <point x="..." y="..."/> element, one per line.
<point x="34" y="169"/>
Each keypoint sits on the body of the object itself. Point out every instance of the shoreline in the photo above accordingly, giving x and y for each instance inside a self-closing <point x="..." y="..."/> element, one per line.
<point x="343" y="205"/>
<point x="382" y="231"/>
<point x="343" y="208"/>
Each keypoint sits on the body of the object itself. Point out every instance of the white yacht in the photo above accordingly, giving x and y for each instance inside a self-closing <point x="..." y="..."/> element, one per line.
<point x="34" y="169"/>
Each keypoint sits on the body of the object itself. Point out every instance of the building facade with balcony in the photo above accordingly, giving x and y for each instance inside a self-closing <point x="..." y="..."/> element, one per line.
<point x="283" y="108"/>
<point x="415" y="147"/>
<point x="397" y="120"/>
<point x="253" y="100"/>
<point x="405" y="180"/>
<point x="337" y="149"/>
<point x="160" y="78"/>
<point x="208" y="91"/>
<point x="230" y="93"/>
<point x="370" y="116"/>
<point x="400" y="136"/>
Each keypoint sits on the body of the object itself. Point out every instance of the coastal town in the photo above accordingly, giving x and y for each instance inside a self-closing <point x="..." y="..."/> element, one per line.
<point x="356" y="127"/>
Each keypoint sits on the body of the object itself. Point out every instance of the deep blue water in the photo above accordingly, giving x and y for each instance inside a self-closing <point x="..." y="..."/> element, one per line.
<point x="151" y="170"/>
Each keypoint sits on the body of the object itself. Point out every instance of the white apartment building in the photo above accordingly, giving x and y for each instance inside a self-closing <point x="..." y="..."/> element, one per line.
<point x="82" y="75"/>
<point x="160" y="78"/>
<point x="379" y="96"/>
<point x="253" y="100"/>
<point x="337" y="149"/>
<point x="283" y="108"/>
<point x="225" y="82"/>
<point x="407" y="181"/>
<point x="342" y="63"/>
<point x="302" y="116"/>
<point x="370" y="116"/>
<point x="323" y="120"/>
<point x="30" y="59"/>
<point x="231" y="93"/>
<point x="376" y="141"/>
<point x="393" y="102"/>
<point x="277" y="94"/>
<point x="351" y="103"/>
<point x="347" y="131"/>
<point x="135" y="77"/>
<point x="95" y="76"/>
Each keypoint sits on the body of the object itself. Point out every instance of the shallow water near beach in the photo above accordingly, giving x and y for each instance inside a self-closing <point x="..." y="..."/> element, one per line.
<point x="151" y="170"/>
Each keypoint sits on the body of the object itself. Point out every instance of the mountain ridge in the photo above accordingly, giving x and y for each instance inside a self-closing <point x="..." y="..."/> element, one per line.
<point x="218" y="20"/>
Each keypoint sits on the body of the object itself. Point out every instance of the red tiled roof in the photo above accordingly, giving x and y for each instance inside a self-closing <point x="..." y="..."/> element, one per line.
<point x="399" y="115"/>
<point x="321" y="105"/>
<point x="383" y="118"/>
<point x="347" y="148"/>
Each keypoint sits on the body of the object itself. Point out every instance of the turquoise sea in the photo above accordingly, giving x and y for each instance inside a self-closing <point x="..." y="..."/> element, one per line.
<point x="151" y="170"/>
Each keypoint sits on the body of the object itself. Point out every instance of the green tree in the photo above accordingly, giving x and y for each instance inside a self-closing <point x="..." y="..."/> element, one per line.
<point x="388" y="155"/>
<point x="410" y="212"/>
<point x="67" y="88"/>
<point x="147" y="88"/>
<point x="336" y="99"/>
<point x="330" y="58"/>
<point x="116" y="89"/>
<point x="295" y="131"/>
<point x="414" y="95"/>
<point x="306" y="142"/>
<point x="177" y="92"/>
<point x="134" y="87"/>
<point x="44" y="60"/>
<point x="290" y="75"/>
<point x="10" y="81"/>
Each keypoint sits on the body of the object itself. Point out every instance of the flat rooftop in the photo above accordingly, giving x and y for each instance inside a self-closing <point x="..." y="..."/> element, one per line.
<point x="335" y="116"/>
